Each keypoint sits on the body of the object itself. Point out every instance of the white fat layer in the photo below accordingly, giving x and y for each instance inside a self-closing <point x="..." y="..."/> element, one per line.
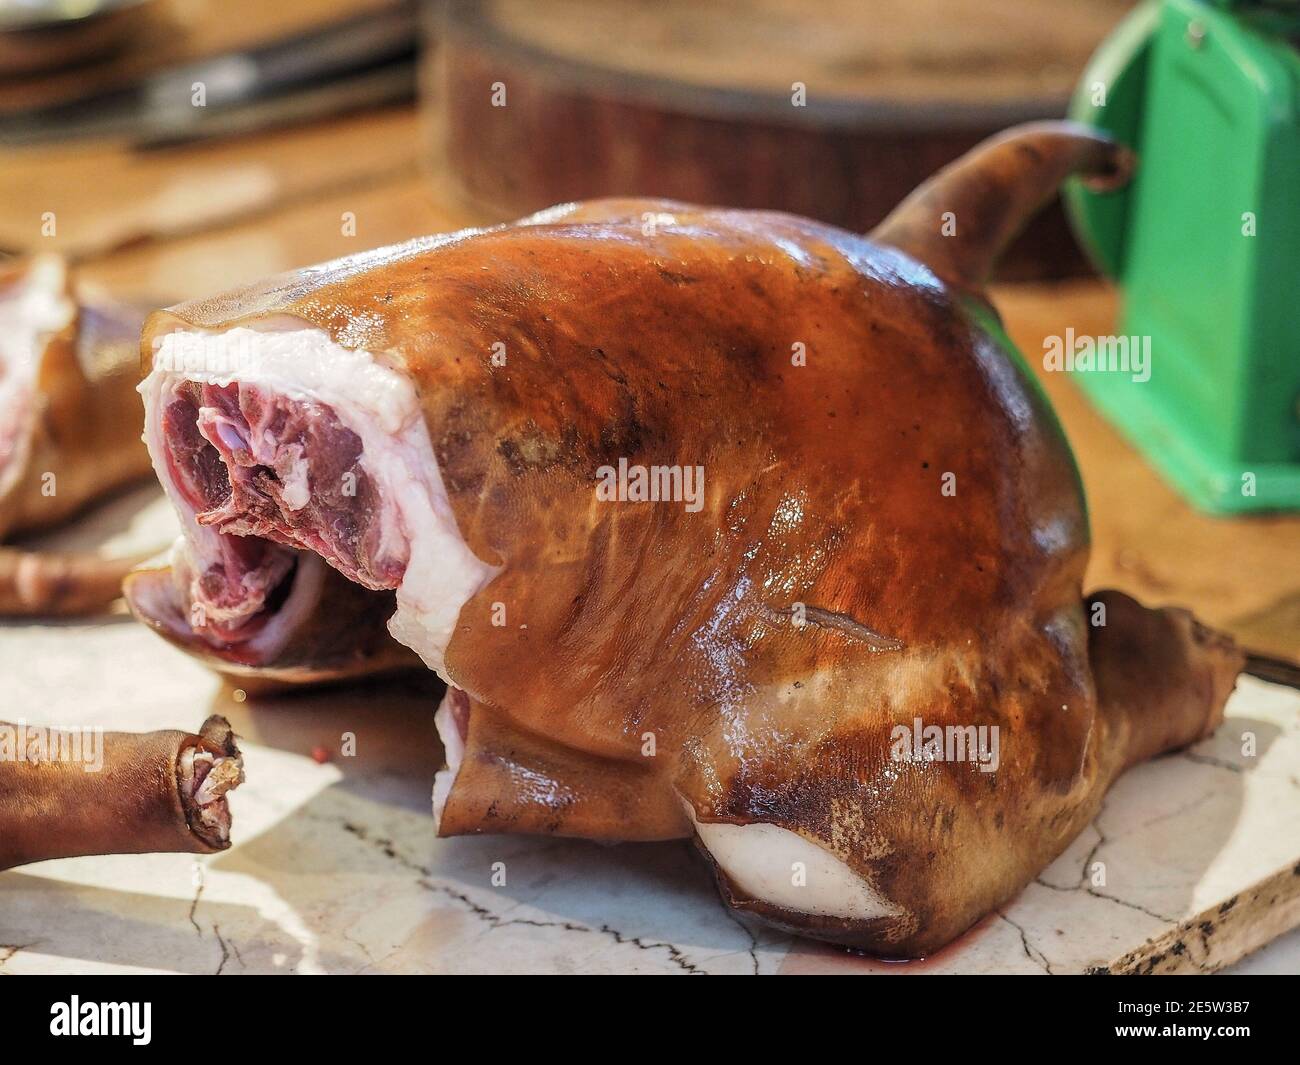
<point x="32" y="308"/>
<point x="453" y="744"/>
<point x="289" y="358"/>
<point x="784" y="869"/>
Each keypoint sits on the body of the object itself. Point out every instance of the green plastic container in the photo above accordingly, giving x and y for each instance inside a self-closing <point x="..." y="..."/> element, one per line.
<point x="1204" y="243"/>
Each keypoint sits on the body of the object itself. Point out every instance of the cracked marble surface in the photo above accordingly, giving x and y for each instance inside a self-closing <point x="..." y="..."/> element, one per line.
<point x="1193" y="861"/>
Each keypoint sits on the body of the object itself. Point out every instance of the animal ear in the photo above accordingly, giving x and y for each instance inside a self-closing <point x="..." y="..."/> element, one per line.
<point x="960" y="221"/>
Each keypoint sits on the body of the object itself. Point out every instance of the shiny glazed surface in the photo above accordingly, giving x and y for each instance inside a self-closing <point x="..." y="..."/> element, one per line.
<point x="905" y="493"/>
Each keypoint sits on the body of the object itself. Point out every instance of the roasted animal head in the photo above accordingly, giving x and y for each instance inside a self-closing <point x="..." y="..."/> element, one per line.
<point x="708" y="518"/>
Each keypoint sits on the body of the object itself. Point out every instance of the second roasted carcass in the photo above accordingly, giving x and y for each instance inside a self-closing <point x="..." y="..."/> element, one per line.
<point x="69" y="430"/>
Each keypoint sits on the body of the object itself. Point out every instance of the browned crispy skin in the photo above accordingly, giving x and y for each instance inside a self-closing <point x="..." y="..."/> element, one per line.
<point x="823" y="481"/>
<point x="343" y="635"/>
<point x="134" y="804"/>
<point x="663" y="334"/>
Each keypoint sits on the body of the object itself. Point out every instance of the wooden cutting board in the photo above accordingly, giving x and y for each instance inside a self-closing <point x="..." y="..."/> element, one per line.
<point x="834" y="110"/>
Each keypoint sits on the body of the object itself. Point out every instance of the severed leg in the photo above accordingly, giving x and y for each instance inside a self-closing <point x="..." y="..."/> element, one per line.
<point x="134" y="793"/>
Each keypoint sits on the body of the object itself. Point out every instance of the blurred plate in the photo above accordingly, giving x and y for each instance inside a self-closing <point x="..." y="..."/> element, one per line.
<point x="38" y="35"/>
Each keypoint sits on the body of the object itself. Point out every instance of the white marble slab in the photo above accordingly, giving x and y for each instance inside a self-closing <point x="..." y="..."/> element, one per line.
<point x="335" y="868"/>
